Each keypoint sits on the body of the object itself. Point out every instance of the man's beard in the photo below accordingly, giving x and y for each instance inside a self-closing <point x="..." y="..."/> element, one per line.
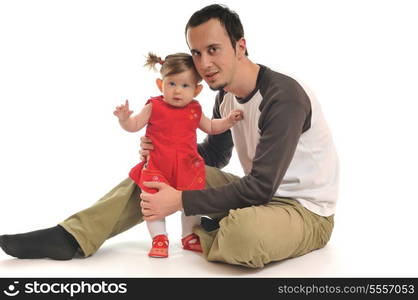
<point x="219" y="87"/>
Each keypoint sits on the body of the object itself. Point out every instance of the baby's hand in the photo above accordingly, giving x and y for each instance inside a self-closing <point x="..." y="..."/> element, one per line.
<point x="236" y="115"/>
<point x="122" y="111"/>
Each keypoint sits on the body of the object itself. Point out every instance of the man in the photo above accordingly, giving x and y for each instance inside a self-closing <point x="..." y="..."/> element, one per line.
<point x="284" y="205"/>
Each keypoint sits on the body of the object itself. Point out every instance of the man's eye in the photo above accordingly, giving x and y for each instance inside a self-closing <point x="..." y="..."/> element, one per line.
<point x="212" y="50"/>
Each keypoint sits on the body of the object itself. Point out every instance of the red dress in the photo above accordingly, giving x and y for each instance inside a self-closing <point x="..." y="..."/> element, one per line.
<point x="175" y="159"/>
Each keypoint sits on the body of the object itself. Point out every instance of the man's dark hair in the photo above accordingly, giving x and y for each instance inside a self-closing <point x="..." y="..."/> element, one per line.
<point x="228" y="18"/>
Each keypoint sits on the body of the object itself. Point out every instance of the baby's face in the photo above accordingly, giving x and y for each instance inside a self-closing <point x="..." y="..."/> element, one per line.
<point x="180" y="89"/>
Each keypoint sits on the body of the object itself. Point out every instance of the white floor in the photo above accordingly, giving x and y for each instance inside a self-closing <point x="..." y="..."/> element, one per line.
<point x="122" y="257"/>
<point x="350" y="253"/>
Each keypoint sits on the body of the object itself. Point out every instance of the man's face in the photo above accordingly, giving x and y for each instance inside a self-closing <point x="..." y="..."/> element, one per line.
<point x="212" y="52"/>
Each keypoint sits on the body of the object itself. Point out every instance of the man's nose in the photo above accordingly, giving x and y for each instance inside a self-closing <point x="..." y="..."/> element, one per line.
<point x="205" y="61"/>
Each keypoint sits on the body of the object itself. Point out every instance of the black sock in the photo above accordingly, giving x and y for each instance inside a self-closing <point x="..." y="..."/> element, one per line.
<point x="54" y="242"/>
<point x="209" y="224"/>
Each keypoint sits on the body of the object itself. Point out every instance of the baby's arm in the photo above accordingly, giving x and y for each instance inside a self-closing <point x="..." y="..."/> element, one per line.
<point x="217" y="126"/>
<point x="135" y="123"/>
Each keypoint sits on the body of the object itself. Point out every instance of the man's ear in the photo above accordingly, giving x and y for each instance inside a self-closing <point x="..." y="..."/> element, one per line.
<point x="241" y="47"/>
<point x="198" y="89"/>
<point x="159" y="83"/>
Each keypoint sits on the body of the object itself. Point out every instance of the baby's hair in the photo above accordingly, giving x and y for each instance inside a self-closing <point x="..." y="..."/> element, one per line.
<point x="152" y="60"/>
<point x="172" y="64"/>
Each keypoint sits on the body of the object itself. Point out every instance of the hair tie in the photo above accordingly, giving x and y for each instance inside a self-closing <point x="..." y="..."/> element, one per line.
<point x="161" y="61"/>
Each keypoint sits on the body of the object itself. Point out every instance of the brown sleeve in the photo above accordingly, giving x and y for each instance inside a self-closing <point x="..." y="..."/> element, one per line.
<point x="216" y="150"/>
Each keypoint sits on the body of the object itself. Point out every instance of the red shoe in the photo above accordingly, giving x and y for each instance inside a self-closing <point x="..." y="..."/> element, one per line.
<point x="191" y="242"/>
<point x="159" y="246"/>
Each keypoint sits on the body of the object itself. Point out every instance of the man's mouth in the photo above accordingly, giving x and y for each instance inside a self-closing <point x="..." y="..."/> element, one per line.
<point x="211" y="76"/>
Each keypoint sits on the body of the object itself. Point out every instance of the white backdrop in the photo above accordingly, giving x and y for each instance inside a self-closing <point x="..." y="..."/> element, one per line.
<point x="65" y="65"/>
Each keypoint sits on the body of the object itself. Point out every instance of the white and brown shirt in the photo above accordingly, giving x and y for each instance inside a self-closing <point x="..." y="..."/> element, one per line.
<point x="284" y="145"/>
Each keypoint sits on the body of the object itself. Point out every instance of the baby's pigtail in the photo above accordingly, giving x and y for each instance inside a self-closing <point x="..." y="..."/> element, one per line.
<point x="152" y="60"/>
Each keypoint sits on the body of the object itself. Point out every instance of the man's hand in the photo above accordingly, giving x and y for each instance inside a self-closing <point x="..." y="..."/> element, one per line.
<point x="161" y="204"/>
<point x="122" y="112"/>
<point x="146" y="146"/>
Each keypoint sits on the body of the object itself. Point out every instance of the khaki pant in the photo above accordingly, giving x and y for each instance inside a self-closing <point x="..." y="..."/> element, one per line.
<point x="251" y="236"/>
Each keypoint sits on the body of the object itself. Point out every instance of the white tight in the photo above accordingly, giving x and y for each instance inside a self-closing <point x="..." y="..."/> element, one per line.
<point x="157" y="227"/>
